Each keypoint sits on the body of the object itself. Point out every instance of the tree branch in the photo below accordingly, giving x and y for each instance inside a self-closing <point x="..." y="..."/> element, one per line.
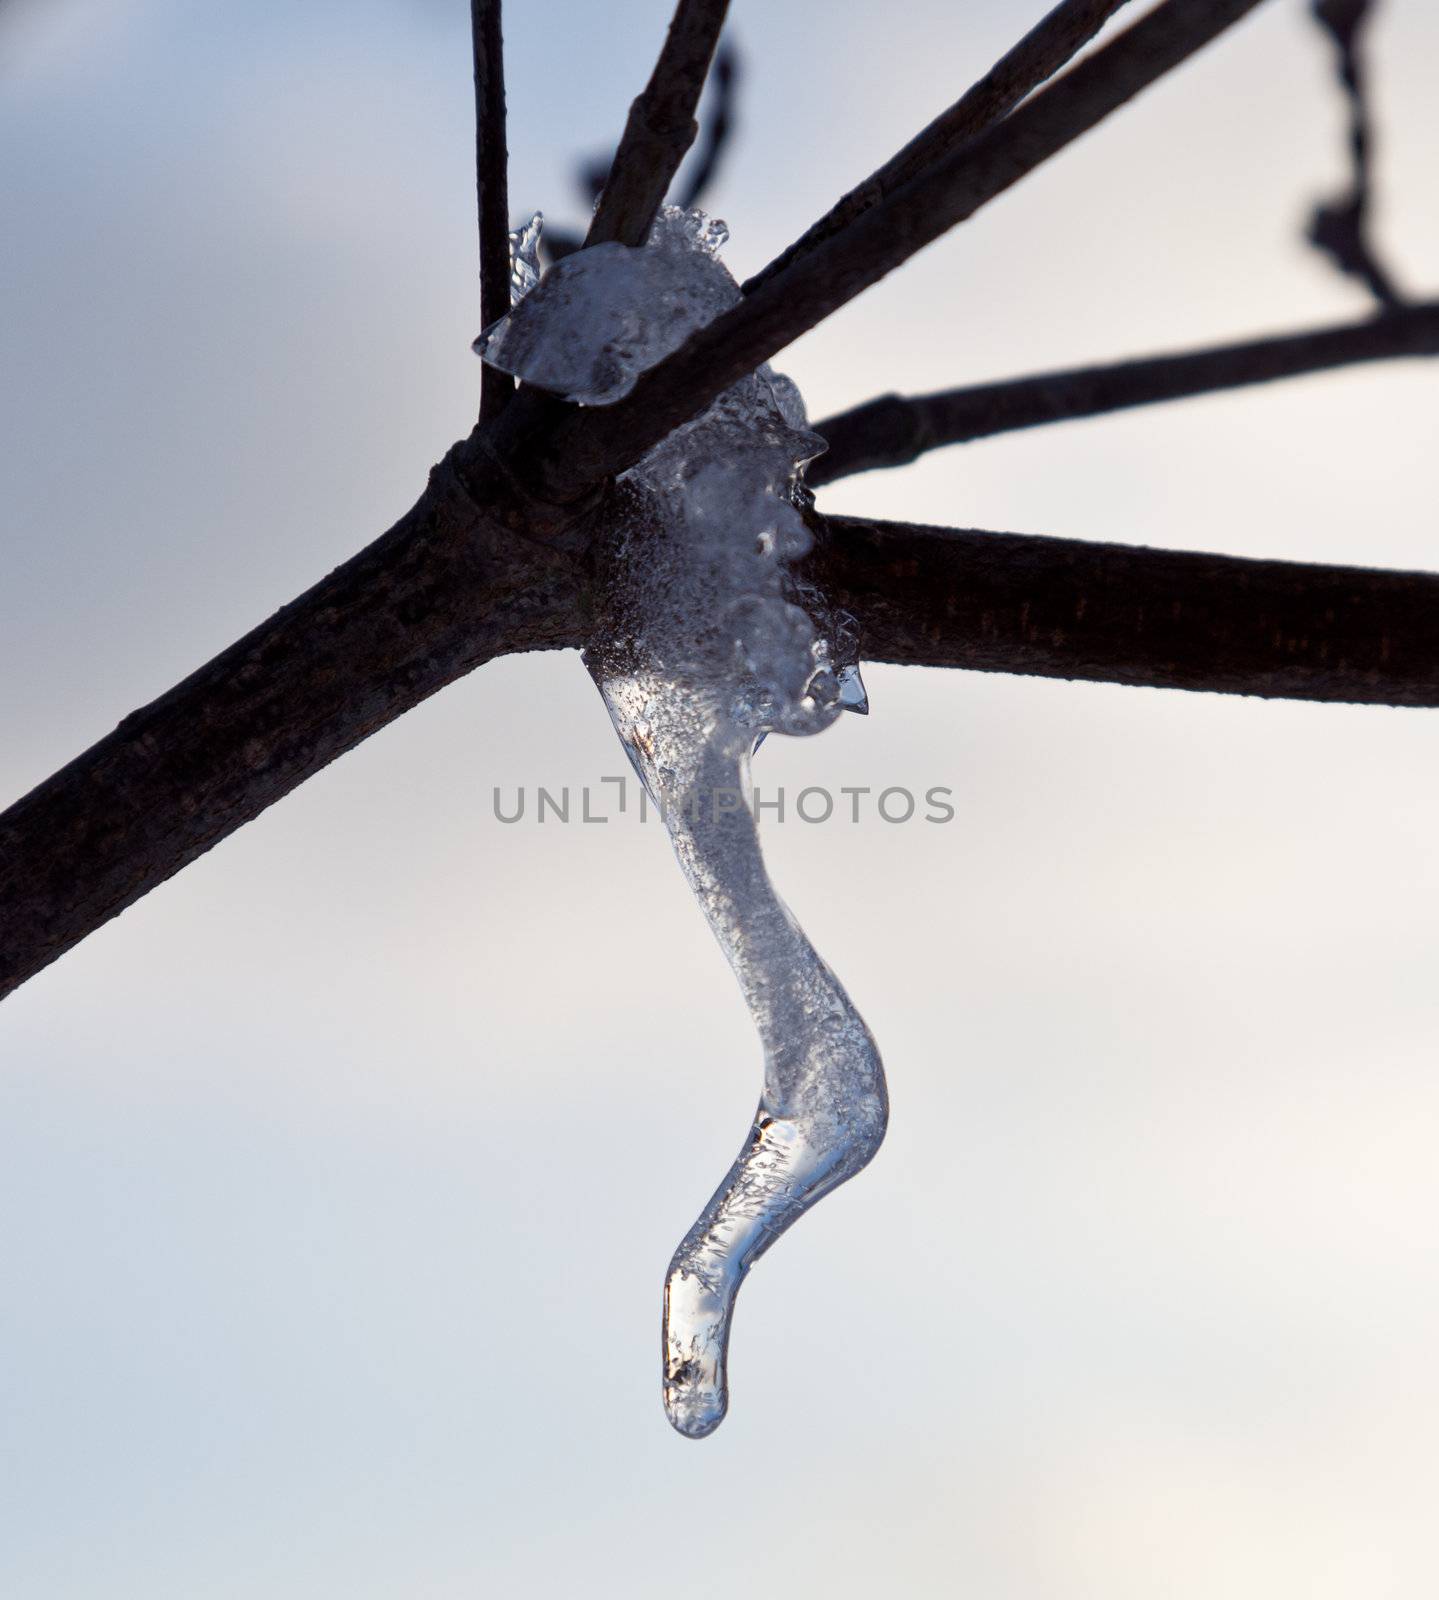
<point x="1109" y="613"/>
<point x="1054" y="40"/>
<point x="462" y="578"/>
<point x="893" y="430"/>
<point x="451" y="585"/>
<point x="456" y="583"/>
<point x="1340" y="227"/>
<point x="719" y="125"/>
<point x="661" y="126"/>
<point x="583" y="447"/>
<point x="491" y="189"/>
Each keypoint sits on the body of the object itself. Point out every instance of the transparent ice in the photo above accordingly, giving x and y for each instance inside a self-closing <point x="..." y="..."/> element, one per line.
<point x="598" y="318"/>
<point x="524" y="260"/>
<point x="705" y="643"/>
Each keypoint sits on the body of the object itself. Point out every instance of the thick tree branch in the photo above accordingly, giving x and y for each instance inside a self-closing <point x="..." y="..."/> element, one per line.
<point x="448" y="587"/>
<point x="894" y="430"/>
<point x="570" y="453"/>
<point x="455" y="583"/>
<point x="661" y="126"/>
<point x="461" y="578"/>
<point x="1054" y="40"/>
<point x="491" y="189"/>
<point x="1065" y="608"/>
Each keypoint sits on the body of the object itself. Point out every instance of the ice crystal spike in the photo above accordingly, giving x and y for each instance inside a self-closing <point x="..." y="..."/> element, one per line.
<point x="525" y="257"/>
<point x="853" y="695"/>
<point x="524" y="272"/>
<point x="705" y="643"/>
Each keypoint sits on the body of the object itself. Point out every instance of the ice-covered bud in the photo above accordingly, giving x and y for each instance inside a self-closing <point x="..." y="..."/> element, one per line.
<point x="715" y="522"/>
<point x="596" y="320"/>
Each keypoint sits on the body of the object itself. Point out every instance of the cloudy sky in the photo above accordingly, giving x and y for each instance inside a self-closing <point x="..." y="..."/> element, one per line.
<point x="339" y="1176"/>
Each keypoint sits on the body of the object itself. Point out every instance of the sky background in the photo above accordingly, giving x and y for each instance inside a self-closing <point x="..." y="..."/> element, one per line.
<point x="338" y="1177"/>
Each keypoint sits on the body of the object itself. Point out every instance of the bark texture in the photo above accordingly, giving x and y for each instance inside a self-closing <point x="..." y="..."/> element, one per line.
<point x="492" y="558"/>
<point x="1039" y="55"/>
<point x="492" y="188"/>
<point x="589" y="445"/>
<point x="1112" y="613"/>
<point x="894" y="430"/>
<point x="449" y="586"/>
<point x="456" y="583"/>
<point x="660" y="128"/>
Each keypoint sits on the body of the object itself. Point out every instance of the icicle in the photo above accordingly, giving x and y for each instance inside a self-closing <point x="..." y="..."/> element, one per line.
<point x="707" y="642"/>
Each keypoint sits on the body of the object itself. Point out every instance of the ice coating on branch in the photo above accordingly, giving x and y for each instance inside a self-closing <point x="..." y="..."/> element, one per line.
<point x="524" y="260"/>
<point x="706" y="641"/>
<point x="598" y="318"/>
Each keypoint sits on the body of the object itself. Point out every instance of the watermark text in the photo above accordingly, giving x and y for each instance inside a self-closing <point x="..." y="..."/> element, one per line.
<point x="624" y="796"/>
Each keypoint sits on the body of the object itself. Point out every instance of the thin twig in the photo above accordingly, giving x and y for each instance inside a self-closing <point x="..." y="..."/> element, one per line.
<point x="1340" y="227"/>
<point x="1054" y="40"/>
<point x="718" y="132"/>
<point x="457" y="580"/>
<point x="893" y="430"/>
<point x="661" y="126"/>
<point x="491" y="189"/>
<point x="719" y="124"/>
<point x="562" y="456"/>
<point x="1070" y="608"/>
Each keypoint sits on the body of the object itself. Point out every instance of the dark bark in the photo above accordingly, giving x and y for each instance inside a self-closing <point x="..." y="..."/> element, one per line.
<point x="492" y="191"/>
<point x="719" y="126"/>
<point x="455" y="583"/>
<point x="893" y="430"/>
<point x="587" y="446"/>
<point x="557" y="242"/>
<point x="464" y="577"/>
<point x="449" y="586"/>
<point x="1053" y="41"/>
<point x="1109" y="613"/>
<point x="1340" y="227"/>
<point x="661" y="126"/>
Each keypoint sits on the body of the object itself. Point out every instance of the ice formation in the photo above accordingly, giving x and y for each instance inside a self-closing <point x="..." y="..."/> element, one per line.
<point x="524" y="262"/>
<point x="598" y="318"/>
<point x="706" y="642"/>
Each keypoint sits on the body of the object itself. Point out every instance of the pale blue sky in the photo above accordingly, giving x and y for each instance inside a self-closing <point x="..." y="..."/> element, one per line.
<point x="340" y="1174"/>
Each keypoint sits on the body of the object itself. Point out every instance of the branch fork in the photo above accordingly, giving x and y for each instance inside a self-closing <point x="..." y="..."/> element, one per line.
<point x="490" y="560"/>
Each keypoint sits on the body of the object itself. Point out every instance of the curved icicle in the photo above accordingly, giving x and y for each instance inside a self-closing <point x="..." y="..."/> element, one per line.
<point x="823" y="1110"/>
<point x="704" y="640"/>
